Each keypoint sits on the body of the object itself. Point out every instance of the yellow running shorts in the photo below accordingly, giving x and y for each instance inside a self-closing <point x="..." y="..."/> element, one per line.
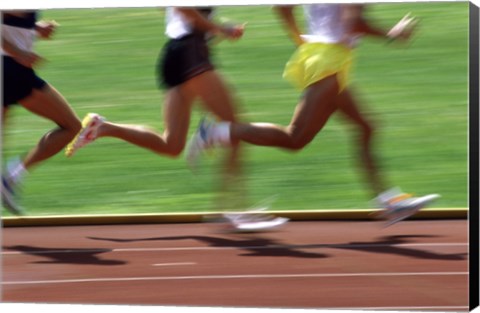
<point x="313" y="61"/>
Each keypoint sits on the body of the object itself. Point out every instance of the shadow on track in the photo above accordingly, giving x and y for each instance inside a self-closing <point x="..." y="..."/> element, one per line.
<point x="257" y="246"/>
<point x="396" y="245"/>
<point x="66" y="255"/>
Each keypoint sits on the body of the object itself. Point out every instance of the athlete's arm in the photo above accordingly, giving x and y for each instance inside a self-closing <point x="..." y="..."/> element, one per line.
<point x="353" y="17"/>
<point x="201" y="23"/>
<point x="288" y="19"/>
<point x="26" y="58"/>
<point x="354" y="20"/>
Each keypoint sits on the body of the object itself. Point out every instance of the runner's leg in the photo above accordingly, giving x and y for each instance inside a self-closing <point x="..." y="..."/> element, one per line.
<point x="216" y="98"/>
<point x="350" y="109"/>
<point x="177" y="111"/>
<point x="50" y="104"/>
<point x="311" y="114"/>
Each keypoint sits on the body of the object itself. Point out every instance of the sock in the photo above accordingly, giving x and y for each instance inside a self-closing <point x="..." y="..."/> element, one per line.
<point x="221" y="133"/>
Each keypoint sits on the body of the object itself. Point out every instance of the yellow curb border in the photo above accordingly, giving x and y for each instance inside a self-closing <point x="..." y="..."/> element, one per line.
<point x="161" y="218"/>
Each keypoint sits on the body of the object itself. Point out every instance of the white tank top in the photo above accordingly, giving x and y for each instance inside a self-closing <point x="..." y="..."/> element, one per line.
<point x="324" y="24"/>
<point x="20" y="35"/>
<point x="177" y="25"/>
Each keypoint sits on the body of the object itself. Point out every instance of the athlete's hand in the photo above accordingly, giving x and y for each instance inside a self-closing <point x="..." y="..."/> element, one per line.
<point x="45" y="29"/>
<point x="233" y="32"/>
<point x="404" y="29"/>
<point x="28" y="59"/>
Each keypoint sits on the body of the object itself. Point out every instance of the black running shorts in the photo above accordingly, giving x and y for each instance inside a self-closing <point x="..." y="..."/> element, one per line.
<point x="183" y="58"/>
<point x="18" y="81"/>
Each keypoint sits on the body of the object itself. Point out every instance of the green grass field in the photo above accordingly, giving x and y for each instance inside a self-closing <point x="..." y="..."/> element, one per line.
<point x="103" y="61"/>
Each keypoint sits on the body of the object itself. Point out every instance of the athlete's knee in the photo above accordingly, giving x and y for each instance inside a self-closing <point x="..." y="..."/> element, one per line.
<point x="298" y="139"/>
<point x="298" y="144"/>
<point x="175" y="153"/>
<point x="75" y="125"/>
<point x="71" y="126"/>
<point x="367" y="130"/>
<point x="175" y="149"/>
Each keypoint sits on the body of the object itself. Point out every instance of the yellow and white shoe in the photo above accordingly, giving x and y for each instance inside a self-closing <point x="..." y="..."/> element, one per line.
<point x="90" y="124"/>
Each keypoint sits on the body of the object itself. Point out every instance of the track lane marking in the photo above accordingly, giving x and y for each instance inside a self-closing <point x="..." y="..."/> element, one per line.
<point x="175" y="264"/>
<point x="224" y="277"/>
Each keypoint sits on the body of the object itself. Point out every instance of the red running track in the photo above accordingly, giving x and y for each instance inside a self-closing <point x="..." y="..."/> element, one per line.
<point x="413" y="265"/>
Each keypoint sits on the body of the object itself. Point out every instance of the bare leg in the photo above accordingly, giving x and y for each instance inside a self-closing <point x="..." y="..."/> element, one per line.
<point x="216" y="97"/>
<point x="177" y="111"/>
<point x="364" y="129"/>
<point x="50" y="104"/>
<point x="311" y="114"/>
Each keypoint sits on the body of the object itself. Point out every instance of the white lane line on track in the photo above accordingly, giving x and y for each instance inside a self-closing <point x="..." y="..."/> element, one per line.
<point x="313" y="246"/>
<point x="175" y="264"/>
<point x="218" y="277"/>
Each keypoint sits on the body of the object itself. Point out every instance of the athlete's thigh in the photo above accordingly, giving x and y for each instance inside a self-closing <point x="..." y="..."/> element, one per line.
<point x="349" y="107"/>
<point x="176" y="113"/>
<point x="316" y="107"/>
<point x="49" y="103"/>
<point x="214" y="93"/>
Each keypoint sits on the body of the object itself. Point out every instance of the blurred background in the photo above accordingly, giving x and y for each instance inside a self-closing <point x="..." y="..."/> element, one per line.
<point x="103" y="61"/>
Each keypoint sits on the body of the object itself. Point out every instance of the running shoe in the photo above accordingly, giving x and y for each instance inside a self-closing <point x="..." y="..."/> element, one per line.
<point x="9" y="198"/>
<point x="400" y="206"/>
<point x="254" y="221"/>
<point x="90" y="124"/>
<point x="199" y="142"/>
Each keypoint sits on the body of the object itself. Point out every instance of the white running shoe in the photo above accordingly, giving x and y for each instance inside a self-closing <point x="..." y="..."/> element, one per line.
<point x="90" y="124"/>
<point x="261" y="225"/>
<point x="9" y="197"/>
<point x="11" y="181"/>
<point x="254" y="221"/>
<point x="400" y="206"/>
